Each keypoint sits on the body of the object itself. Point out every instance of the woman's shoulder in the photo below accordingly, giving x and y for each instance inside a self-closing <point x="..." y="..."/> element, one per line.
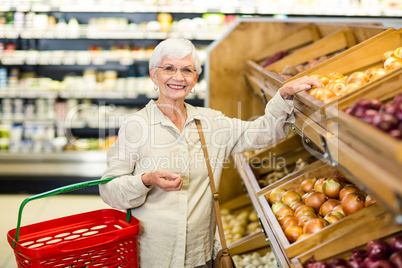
<point x="209" y="112"/>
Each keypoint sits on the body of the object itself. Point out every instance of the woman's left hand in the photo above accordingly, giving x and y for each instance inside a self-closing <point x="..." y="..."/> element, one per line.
<point x="298" y="85"/>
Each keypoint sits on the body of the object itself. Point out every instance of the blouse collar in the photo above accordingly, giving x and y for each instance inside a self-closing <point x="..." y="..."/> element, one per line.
<point x="156" y="115"/>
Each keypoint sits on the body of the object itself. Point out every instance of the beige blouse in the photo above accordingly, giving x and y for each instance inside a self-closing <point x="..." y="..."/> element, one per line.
<point x="177" y="228"/>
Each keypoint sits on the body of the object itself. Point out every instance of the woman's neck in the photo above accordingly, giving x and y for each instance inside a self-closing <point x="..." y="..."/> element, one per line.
<point x="175" y="111"/>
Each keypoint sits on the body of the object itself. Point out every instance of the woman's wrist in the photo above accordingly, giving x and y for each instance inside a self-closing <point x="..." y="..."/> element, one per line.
<point x="284" y="95"/>
<point x="145" y="181"/>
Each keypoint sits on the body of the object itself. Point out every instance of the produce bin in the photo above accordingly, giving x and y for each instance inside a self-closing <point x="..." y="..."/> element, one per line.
<point x="355" y="220"/>
<point x="361" y="59"/>
<point x="336" y="41"/>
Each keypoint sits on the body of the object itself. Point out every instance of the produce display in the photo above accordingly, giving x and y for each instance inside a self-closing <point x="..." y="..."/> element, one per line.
<point x="255" y="260"/>
<point x="384" y="116"/>
<point x="291" y="70"/>
<point x="376" y="254"/>
<point x="274" y="58"/>
<point x="337" y="84"/>
<point x="280" y="173"/>
<point x="237" y="225"/>
<point x="317" y="203"/>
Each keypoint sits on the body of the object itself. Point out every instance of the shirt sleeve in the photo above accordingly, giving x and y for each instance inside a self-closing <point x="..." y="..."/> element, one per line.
<point x="126" y="190"/>
<point x="265" y="130"/>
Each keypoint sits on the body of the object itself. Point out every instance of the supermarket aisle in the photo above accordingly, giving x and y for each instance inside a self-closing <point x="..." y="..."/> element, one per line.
<point x="37" y="211"/>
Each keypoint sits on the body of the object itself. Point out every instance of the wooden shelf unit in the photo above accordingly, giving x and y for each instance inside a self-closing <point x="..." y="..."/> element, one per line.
<point x="226" y="66"/>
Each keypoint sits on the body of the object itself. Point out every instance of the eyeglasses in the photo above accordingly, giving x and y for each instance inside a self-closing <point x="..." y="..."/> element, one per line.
<point x="171" y="70"/>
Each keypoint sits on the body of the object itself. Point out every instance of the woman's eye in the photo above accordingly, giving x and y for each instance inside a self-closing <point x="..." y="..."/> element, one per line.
<point x="169" y="68"/>
<point x="187" y="71"/>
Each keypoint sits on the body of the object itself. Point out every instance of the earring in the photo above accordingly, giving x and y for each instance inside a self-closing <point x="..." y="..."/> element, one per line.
<point x="156" y="87"/>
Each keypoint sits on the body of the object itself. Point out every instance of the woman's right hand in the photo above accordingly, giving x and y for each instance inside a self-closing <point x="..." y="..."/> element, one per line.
<point x="166" y="180"/>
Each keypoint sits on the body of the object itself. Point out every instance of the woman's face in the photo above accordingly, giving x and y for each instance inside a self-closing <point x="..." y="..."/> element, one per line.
<point x="174" y="86"/>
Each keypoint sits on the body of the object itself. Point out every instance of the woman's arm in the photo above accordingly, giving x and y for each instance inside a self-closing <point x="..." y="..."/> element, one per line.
<point x="272" y="126"/>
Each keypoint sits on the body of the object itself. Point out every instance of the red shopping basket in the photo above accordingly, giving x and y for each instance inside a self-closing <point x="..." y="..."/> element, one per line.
<point x="101" y="238"/>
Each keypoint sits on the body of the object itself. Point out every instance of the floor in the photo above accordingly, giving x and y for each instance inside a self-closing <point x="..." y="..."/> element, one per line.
<point x="37" y="211"/>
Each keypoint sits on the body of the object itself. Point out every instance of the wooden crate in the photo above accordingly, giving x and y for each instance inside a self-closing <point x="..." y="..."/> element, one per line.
<point x="360" y="59"/>
<point x="335" y="42"/>
<point x="299" y="38"/>
<point x="250" y="242"/>
<point x="282" y="155"/>
<point x="348" y="39"/>
<point x="376" y="145"/>
<point x="383" y="228"/>
<point x="293" y="41"/>
<point x="359" y="218"/>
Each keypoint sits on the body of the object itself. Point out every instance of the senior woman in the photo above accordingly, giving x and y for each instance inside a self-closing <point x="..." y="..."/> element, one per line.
<point x="159" y="165"/>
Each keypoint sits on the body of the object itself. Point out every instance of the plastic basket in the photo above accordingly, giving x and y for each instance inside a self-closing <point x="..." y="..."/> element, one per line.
<point x="101" y="238"/>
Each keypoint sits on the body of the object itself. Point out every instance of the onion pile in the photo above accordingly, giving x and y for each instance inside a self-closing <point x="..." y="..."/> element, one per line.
<point x="377" y="254"/>
<point x="237" y="225"/>
<point x="384" y="116"/>
<point x="317" y="203"/>
<point x="337" y="84"/>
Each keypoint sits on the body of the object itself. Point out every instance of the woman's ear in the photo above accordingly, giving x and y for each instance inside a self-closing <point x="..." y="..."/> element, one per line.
<point x="152" y="74"/>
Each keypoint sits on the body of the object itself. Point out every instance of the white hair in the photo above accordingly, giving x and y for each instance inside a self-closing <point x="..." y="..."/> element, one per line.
<point x="175" y="48"/>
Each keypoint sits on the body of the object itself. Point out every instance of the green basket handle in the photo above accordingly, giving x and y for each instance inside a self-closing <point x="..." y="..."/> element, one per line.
<point x="64" y="189"/>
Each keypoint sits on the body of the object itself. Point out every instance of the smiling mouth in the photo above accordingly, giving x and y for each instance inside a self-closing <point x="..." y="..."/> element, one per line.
<point x="176" y="87"/>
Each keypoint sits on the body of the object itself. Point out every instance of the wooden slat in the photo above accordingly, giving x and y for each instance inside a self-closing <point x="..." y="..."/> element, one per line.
<point x="364" y="57"/>
<point x="338" y="41"/>
<point x="249" y="243"/>
<point x="381" y="226"/>
<point x="359" y="34"/>
<point x="368" y="173"/>
<point x="292" y="143"/>
<point x="298" y="38"/>
<point x="246" y="173"/>
<point x="282" y="161"/>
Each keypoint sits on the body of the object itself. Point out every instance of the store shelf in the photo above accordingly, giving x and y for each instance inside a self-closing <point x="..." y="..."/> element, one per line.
<point x="241" y="7"/>
<point x="64" y="164"/>
<point x="86" y="32"/>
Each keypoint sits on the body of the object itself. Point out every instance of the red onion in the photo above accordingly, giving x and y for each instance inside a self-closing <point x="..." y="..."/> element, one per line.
<point x="354" y="263"/>
<point x="375" y="104"/>
<point x="396" y="259"/>
<point x="359" y="255"/>
<point x="310" y="262"/>
<point x="389" y="108"/>
<point x="385" y="122"/>
<point x="337" y="263"/>
<point x="320" y="264"/>
<point x="395" y="244"/>
<point x="363" y="103"/>
<point x="371" y="263"/>
<point x="369" y="115"/>
<point x="377" y="249"/>
<point x="398" y="99"/>
<point x="396" y="133"/>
